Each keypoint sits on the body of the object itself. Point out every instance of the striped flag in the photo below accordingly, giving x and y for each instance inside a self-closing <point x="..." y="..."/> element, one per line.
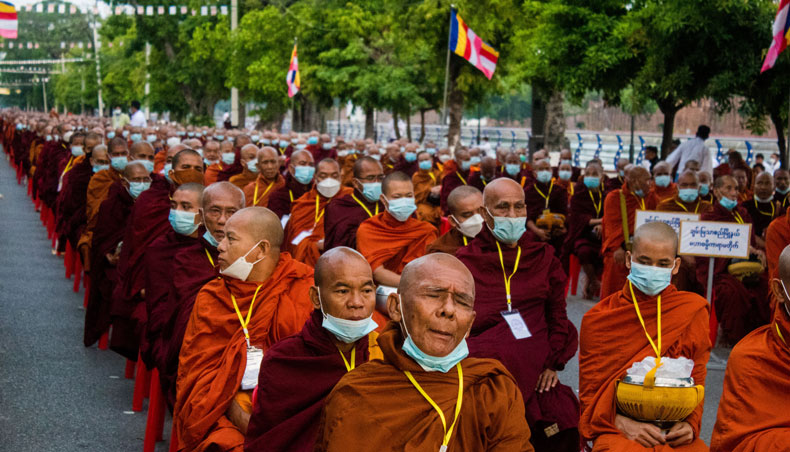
<point x="293" y="75"/>
<point x="8" y="20"/>
<point x="780" y="33"/>
<point x="465" y="43"/>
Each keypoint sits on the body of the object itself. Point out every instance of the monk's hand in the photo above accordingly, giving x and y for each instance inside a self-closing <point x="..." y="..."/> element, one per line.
<point x="597" y="230"/>
<point x="547" y="380"/>
<point x="619" y="256"/>
<point x="238" y="416"/>
<point x="680" y="434"/>
<point x="436" y="190"/>
<point x="647" y="435"/>
<point x="760" y="255"/>
<point x="543" y="236"/>
<point x="320" y="245"/>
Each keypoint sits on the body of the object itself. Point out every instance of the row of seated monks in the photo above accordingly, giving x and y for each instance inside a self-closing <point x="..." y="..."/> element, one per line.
<point x="340" y="298"/>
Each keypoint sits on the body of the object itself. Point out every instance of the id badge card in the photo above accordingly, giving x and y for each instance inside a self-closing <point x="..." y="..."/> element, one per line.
<point x="516" y="324"/>
<point x="302" y="235"/>
<point x="252" y="368"/>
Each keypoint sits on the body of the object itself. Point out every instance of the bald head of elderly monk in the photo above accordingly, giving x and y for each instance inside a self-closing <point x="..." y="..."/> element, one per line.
<point x="464" y="203"/>
<point x="504" y="210"/>
<point x="251" y="247"/>
<point x="220" y="201"/>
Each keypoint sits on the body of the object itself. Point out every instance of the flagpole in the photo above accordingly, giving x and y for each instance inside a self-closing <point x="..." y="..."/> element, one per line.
<point x="447" y="70"/>
<point x="783" y="158"/>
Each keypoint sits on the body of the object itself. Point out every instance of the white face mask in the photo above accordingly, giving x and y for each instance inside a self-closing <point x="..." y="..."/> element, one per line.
<point x="240" y="269"/>
<point x="472" y="226"/>
<point x="328" y="187"/>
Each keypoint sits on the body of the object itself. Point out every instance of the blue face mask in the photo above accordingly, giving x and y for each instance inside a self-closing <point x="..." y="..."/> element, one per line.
<point x="136" y="137"/>
<point x="301" y="146"/>
<point x="432" y="363"/>
<point x="465" y="165"/>
<point x="149" y="165"/>
<point x="639" y="193"/>
<point x="704" y="189"/>
<point x="621" y="173"/>
<point x="97" y="168"/>
<point x="565" y="174"/>
<point x="304" y="174"/>
<point x="782" y="191"/>
<point x="513" y="169"/>
<point x="283" y="144"/>
<point x="724" y="158"/>
<point x="401" y="208"/>
<point x="327" y="146"/>
<point x="688" y="194"/>
<point x="431" y="151"/>
<point x="77" y="151"/>
<point x="183" y="222"/>
<point x="49" y="138"/>
<point x="648" y="279"/>
<point x="119" y="163"/>
<point x="410" y="156"/>
<point x="508" y="229"/>
<point x="210" y="239"/>
<point x="347" y="331"/>
<point x="312" y="140"/>
<point x="255" y="138"/>
<point x="544" y="176"/>
<point x="371" y="191"/>
<point x="151" y="138"/>
<point x="110" y="135"/>
<point x="135" y="188"/>
<point x="592" y="182"/>
<point x="220" y="137"/>
<point x="266" y="141"/>
<point x="569" y="162"/>
<point x="728" y="203"/>
<point x="252" y="166"/>
<point x="663" y="180"/>
<point x="228" y="158"/>
<point x="522" y="157"/>
<point x="425" y="165"/>
<point x="190" y="134"/>
<point x="475" y="160"/>
<point x="166" y="171"/>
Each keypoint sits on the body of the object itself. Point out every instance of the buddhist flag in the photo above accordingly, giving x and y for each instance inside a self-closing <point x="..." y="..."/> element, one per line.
<point x="293" y="75"/>
<point x="780" y="33"/>
<point x="8" y="20"/>
<point x="465" y="43"/>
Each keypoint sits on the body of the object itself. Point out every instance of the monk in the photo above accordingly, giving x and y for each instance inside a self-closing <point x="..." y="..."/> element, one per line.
<point x="762" y="208"/>
<point x="705" y="187"/>
<point x="110" y="226"/>
<point x="777" y="237"/>
<point x="393" y="404"/>
<point x="266" y="289"/>
<point x="741" y="305"/>
<point x="487" y="172"/>
<point x="456" y="178"/>
<point x="231" y="147"/>
<point x="393" y="238"/>
<point x="268" y="181"/>
<point x="545" y="197"/>
<point x="193" y="266"/>
<point x="309" y="364"/>
<point x="408" y="161"/>
<point x="427" y="182"/>
<point x="615" y="237"/>
<point x="212" y="148"/>
<point x="663" y="188"/>
<point x="298" y="181"/>
<point x="623" y="328"/>
<point x="249" y="165"/>
<point x="304" y="232"/>
<point x="741" y="176"/>
<point x="345" y="213"/>
<point x="753" y="412"/>
<point x="615" y="183"/>
<point x="514" y="169"/>
<point x="464" y="203"/>
<point x="534" y="293"/>
<point x="584" y="228"/>
<point x="563" y="179"/>
<point x="566" y="157"/>
<point x="782" y="182"/>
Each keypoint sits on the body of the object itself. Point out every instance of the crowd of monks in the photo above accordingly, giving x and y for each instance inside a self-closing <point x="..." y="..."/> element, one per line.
<point x="297" y="292"/>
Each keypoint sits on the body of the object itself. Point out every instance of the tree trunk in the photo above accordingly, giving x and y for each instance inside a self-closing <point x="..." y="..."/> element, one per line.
<point x="408" y="125"/>
<point x="456" y="107"/>
<point x="554" y="128"/>
<point x="422" y="124"/>
<point x="538" y="121"/>
<point x="295" y="114"/>
<point x="670" y="110"/>
<point x="395" y="124"/>
<point x="370" y="126"/>
<point x="779" y="125"/>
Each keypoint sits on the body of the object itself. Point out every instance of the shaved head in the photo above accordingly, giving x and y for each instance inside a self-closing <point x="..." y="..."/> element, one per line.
<point x="461" y="195"/>
<point x="134" y="170"/>
<point x="260" y="223"/>
<point x="655" y="232"/>
<point x="344" y="286"/>
<point x="784" y="266"/>
<point x="222" y="190"/>
<point x="192" y="188"/>
<point x="721" y="180"/>
<point x="391" y="179"/>
<point x="499" y="188"/>
<point x="335" y="259"/>
<point x="365" y="165"/>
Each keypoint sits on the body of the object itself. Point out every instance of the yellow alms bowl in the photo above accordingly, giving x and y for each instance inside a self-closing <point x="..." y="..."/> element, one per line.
<point x="745" y="269"/>
<point x="658" y="404"/>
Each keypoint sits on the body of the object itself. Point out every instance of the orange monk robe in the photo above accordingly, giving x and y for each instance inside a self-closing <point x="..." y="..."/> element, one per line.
<point x="753" y="414"/>
<point x="777" y="237"/>
<point x="383" y="240"/>
<point x="213" y="354"/>
<point x="257" y="193"/>
<point x="449" y="242"/>
<point x="160" y="158"/>
<point x="686" y="278"/>
<point x="347" y="169"/>
<point x="212" y="172"/>
<point x="745" y="195"/>
<point x="423" y="182"/>
<point x="375" y="407"/>
<point x="243" y="179"/>
<point x="612" y="339"/>
<point x="307" y="217"/>
<point x="658" y="194"/>
<point x="612" y="236"/>
<point x="98" y="188"/>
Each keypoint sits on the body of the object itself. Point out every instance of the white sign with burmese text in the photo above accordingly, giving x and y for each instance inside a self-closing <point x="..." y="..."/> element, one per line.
<point x="671" y="218"/>
<point x="715" y="239"/>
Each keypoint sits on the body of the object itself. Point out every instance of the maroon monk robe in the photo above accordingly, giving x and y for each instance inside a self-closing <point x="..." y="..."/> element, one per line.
<point x="158" y="272"/>
<point x="581" y="241"/>
<point x="71" y="217"/>
<point x="740" y="308"/>
<point x="229" y="171"/>
<point x="613" y="183"/>
<point x="449" y="183"/>
<point x="46" y="168"/>
<point x="477" y="180"/>
<point x="343" y="217"/>
<point x="110" y="229"/>
<point x="319" y="153"/>
<point x="281" y="199"/>
<point x="306" y="367"/>
<point x="408" y="168"/>
<point x="148" y="221"/>
<point x="557" y="203"/>
<point x="762" y="213"/>
<point x="537" y="292"/>
<point x="192" y="269"/>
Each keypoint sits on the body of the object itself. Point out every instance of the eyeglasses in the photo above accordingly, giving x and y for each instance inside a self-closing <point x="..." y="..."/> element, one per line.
<point x="372" y="178"/>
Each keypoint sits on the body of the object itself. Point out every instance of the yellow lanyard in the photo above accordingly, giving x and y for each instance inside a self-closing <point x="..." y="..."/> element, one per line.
<point x="282" y="150"/>
<point x="465" y="241"/>
<point x="773" y="209"/>
<point x="245" y="323"/>
<point x="461" y="177"/>
<point x="317" y="216"/>
<point x="440" y="166"/>
<point x="458" y="403"/>
<point x="349" y="367"/>
<point x="68" y="166"/>
<point x="523" y="181"/>
<point x="572" y="189"/>
<point x="255" y="195"/>
<point x="508" y="278"/>
<point x="642" y="321"/>
<point x="696" y="209"/>
<point x="370" y="214"/>
<point x="779" y="332"/>
<point x="596" y="206"/>
<point x="483" y="180"/>
<point x="208" y="255"/>
<point x="432" y="177"/>
<point x="546" y="197"/>
<point x="291" y="194"/>
<point x="738" y="218"/>
<point x="641" y="201"/>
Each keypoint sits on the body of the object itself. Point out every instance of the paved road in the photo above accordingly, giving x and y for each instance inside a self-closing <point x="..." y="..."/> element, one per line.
<point x="55" y="394"/>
